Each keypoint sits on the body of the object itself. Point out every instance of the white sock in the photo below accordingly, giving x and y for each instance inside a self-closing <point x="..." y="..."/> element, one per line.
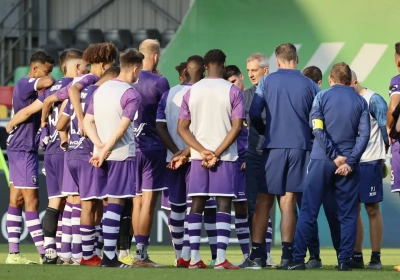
<point x="221" y="256"/>
<point x="195" y="256"/>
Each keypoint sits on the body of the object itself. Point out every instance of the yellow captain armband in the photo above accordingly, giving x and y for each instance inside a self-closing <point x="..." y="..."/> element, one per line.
<point x="317" y="124"/>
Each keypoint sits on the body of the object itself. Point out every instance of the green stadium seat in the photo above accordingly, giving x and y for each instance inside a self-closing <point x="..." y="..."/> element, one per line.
<point x="56" y="73"/>
<point x="20" y="72"/>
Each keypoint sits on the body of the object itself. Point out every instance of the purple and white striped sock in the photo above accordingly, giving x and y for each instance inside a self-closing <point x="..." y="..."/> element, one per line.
<point x="35" y="229"/>
<point x="14" y="228"/>
<point x="268" y="238"/>
<point x="66" y="238"/>
<point x="186" y="243"/>
<point x="98" y="240"/>
<point x="223" y="234"/>
<point x="243" y="233"/>
<point x="87" y="233"/>
<point x="59" y="232"/>
<point x="76" y="233"/>
<point x="194" y="225"/>
<point x="111" y="224"/>
<point x="210" y="224"/>
<point x="176" y="225"/>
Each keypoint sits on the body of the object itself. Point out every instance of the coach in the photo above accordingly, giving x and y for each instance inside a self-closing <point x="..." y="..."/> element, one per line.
<point x="341" y="127"/>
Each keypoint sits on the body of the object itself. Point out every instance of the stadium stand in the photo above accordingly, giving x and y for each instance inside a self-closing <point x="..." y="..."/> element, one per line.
<point x="122" y="38"/>
<point x="85" y="37"/>
<point x="6" y="93"/>
<point x="139" y="35"/>
<point x="62" y="38"/>
<point x="167" y="36"/>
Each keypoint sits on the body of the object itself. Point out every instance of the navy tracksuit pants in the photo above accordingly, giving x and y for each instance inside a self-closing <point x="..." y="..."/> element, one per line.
<point x="320" y="181"/>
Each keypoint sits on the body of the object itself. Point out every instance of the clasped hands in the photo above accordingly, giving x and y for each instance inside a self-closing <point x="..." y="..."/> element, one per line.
<point x="209" y="159"/>
<point x="343" y="168"/>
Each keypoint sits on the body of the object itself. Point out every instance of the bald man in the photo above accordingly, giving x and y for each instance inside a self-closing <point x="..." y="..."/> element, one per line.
<point x="150" y="150"/>
<point x="370" y="190"/>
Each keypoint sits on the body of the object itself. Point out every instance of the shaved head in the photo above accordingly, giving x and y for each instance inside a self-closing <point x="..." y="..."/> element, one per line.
<point x="149" y="47"/>
<point x="195" y="68"/>
<point x="353" y="76"/>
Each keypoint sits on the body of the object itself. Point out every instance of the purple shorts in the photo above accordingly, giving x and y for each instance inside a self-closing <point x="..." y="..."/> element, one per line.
<point x="395" y="174"/>
<point x="150" y="171"/>
<point x="24" y="169"/>
<point x="217" y="181"/>
<point x="83" y="179"/>
<point x="177" y="181"/>
<point x="240" y="182"/>
<point x="114" y="179"/>
<point x="54" y="164"/>
<point x="210" y="203"/>
<point x="165" y="200"/>
<point x="68" y="187"/>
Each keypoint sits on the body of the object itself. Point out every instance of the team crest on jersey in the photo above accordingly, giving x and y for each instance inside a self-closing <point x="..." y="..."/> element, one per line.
<point x="31" y="80"/>
<point x="34" y="180"/>
<point x="393" y="88"/>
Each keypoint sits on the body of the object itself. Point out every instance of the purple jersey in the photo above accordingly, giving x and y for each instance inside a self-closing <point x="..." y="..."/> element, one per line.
<point x="150" y="87"/>
<point x="77" y="144"/>
<point x="83" y="80"/>
<point x="242" y="141"/>
<point x="23" y="137"/>
<point x="394" y="87"/>
<point x="53" y="146"/>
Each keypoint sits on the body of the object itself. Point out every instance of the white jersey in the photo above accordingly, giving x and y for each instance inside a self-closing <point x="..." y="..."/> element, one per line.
<point x="376" y="146"/>
<point x="108" y="115"/>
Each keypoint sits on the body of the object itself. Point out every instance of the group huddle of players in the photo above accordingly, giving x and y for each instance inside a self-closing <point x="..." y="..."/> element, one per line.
<point x="115" y="138"/>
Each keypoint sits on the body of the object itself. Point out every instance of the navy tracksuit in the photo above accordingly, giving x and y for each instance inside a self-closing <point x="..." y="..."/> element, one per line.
<point x="345" y="132"/>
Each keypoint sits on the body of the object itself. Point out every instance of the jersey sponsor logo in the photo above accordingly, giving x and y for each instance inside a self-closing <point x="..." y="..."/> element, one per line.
<point x="76" y="144"/>
<point x="55" y="87"/>
<point x="363" y="63"/>
<point x="138" y="130"/>
<point x="393" y="88"/>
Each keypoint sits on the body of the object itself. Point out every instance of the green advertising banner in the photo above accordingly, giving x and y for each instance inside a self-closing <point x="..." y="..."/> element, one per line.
<point x="361" y="33"/>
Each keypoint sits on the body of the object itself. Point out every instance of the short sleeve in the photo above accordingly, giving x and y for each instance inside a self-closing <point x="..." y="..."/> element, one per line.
<point x="90" y="109"/>
<point x="161" y="117"/>
<point x="67" y="109"/>
<point x="237" y="102"/>
<point x="62" y="93"/>
<point x="88" y="80"/>
<point x="162" y="85"/>
<point x="184" y="113"/>
<point x="28" y="87"/>
<point x="130" y="102"/>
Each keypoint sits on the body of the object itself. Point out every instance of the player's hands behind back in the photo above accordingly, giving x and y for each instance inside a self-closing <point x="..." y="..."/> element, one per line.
<point x="177" y="161"/>
<point x="209" y="159"/>
<point x="98" y="159"/>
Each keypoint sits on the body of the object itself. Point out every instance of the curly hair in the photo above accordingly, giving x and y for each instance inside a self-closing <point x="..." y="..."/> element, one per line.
<point x="42" y="57"/>
<point x="100" y="53"/>
<point x="214" y="56"/>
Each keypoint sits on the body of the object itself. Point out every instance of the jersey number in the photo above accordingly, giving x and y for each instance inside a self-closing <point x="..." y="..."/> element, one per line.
<point x="72" y="128"/>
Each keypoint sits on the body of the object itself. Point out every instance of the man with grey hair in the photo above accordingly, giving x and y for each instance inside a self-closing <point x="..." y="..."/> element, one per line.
<point x="285" y="153"/>
<point x="257" y="67"/>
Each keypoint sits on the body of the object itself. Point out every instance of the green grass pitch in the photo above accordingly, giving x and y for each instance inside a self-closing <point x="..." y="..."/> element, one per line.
<point x="164" y="255"/>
